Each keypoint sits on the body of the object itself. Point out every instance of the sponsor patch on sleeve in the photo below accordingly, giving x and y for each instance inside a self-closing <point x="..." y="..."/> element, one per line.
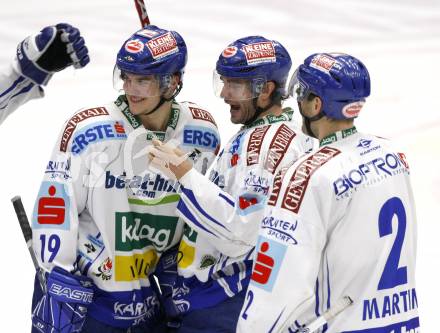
<point x="52" y="207"/>
<point x="270" y="255"/>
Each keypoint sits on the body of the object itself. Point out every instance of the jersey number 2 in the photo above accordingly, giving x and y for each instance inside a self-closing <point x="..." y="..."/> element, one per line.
<point x="393" y="275"/>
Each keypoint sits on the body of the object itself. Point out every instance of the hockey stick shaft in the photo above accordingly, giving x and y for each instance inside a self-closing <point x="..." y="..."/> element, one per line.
<point x="142" y="12"/>
<point x="336" y="309"/>
<point x="27" y="234"/>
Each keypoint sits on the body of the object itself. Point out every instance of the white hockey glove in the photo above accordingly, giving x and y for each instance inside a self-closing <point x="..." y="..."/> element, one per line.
<point x="169" y="159"/>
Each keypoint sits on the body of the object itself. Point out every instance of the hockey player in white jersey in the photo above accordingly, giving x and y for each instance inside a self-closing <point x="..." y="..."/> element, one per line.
<point x="222" y="212"/>
<point x="38" y="57"/>
<point x="103" y="218"/>
<point x="339" y="223"/>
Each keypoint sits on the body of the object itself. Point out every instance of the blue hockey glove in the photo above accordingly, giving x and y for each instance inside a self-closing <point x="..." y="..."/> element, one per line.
<point x="52" y="50"/>
<point x="63" y="308"/>
<point x="166" y="274"/>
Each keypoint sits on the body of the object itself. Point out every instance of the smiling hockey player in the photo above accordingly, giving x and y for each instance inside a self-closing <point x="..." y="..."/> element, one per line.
<point x="223" y="212"/>
<point x="102" y="217"/>
<point x="348" y="211"/>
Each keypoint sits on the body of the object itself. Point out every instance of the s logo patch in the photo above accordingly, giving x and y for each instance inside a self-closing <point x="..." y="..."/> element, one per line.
<point x="52" y="208"/>
<point x="270" y="255"/>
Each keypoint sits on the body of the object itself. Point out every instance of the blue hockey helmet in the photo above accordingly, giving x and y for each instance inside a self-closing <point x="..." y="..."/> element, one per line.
<point x="257" y="59"/>
<point x="153" y="50"/>
<point x="340" y="80"/>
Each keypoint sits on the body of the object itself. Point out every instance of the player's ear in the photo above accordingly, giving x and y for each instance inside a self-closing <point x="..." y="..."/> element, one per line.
<point x="266" y="93"/>
<point x="317" y="104"/>
<point x="175" y="80"/>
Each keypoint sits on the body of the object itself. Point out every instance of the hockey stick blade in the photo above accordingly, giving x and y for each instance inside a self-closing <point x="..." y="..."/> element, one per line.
<point x="337" y="308"/>
<point x="27" y="234"/>
<point x="142" y="12"/>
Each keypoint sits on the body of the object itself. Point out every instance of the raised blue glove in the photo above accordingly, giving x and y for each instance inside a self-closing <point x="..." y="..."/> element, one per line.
<point x="52" y="50"/>
<point x="63" y="308"/>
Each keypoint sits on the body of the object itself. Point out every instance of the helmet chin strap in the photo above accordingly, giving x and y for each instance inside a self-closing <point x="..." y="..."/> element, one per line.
<point x="258" y="110"/>
<point x="308" y="121"/>
<point x="163" y="99"/>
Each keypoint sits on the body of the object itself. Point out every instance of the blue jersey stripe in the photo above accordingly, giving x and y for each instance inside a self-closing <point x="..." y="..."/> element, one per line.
<point x="183" y="208"/>
<point x="229" y="201"/>
<point x="12" y="87"/>
<point x="190" y="195"/>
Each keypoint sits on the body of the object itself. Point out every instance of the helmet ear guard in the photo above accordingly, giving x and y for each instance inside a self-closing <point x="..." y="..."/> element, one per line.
<point x="340" y="80"/>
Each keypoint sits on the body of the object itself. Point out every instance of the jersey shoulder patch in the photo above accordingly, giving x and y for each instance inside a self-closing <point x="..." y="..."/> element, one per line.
<point x="76" y="119"/>
<point x="199" y="113"/>
<point x="254" y="144"/>
<point x="97" y="132"/>
<point x="300" y="178"/>
<point x="278" y="147"/>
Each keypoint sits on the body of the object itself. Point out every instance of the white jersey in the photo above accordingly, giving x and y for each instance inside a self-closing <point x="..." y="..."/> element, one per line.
<point x="339" y="222"/>
<point x="15" y="90"/>
<point x="222" y="212"/>
<point x="103" y="211"/>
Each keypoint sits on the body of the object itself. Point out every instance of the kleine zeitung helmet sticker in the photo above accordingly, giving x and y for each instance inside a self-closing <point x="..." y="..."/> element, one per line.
<point x="162" y="45"/>
<point x="322" y="62"/>
<point x="261" y="52"/>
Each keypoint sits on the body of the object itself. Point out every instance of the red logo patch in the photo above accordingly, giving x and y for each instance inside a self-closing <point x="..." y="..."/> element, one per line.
<point x="51" y="210"/>
<point x="234" y="159"/>
<point x="352" y="110"/>
<point x="230" y="51"/>
<point x="134" y="46"/>
<point x="119" y="128"/>
<point x="245" y="203"/>
<point x="263" y="265"/>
